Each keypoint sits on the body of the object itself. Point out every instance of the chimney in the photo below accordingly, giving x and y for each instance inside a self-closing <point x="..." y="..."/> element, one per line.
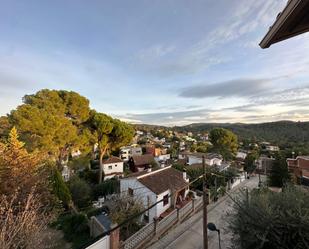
<point x="184" y="174"/>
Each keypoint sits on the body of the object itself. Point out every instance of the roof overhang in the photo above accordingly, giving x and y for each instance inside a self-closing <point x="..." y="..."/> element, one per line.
<point x="292" y="21"/>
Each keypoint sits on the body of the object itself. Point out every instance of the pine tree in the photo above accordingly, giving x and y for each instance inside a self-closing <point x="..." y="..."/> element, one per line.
<point x="60" y="189"/>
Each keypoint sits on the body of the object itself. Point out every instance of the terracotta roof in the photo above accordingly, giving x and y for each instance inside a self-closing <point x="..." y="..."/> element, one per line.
<point x="196" y="166"/>
<point x="143" y="159"/>
<point x="165" y="179"/>
<point x="112" y="159"/>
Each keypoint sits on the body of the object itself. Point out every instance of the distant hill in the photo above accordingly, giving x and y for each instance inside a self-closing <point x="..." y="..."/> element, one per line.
<point x="281" y="132"/>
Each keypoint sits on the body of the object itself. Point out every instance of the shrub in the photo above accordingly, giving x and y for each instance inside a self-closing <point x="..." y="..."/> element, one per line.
<point x="75" y="229"/>
<point x="271" y="220"/>
<point x="107" y="187"/>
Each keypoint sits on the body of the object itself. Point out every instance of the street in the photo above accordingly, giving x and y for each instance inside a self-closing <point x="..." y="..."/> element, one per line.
<point x="188" y="235"/>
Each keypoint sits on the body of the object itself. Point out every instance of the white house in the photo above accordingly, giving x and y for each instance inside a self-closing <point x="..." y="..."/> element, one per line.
<point x="163" y="160"/>
<point x="112" y="167"/>
<point x="167" y="185"/>
<point x="129" y="151"/>
<point x="241" y="155"/>
<point x="272" y="148"/>
<point x="66" y="173"/>
<point x="211" y="159"/>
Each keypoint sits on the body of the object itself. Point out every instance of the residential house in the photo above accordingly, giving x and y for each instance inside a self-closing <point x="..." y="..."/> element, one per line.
<point x="211" y="159"/>
<point x="151" y="149"/>
<point x="264" y="164"/>
<point x="66" y="173"/>
<point x="272" y="148"/>
<point x="140" y="163"/>
<point x="299" y="167"/>
<point x="112" y="167"/>
<point x="140" y="133"/>
<point x="129" y="151"/>
<point x="163" y="160"/>
<point x="167" y="186"/>
<point x="167" y="145"/>
<point x="241" y="155"/>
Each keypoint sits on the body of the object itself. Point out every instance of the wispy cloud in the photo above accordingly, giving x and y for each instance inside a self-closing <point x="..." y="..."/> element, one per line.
<point x="232" y="88"/>
<point x="155" y="52"/>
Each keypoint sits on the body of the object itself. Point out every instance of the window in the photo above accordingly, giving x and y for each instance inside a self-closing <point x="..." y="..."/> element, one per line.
<point x="115" y="165"/>
<point x="165" y="200"/>
<point x="110" y="167"/>
<point x="130" y="191"/>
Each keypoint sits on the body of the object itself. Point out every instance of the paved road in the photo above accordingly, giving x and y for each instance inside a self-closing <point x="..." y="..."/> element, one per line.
<point x="189" y="234"/>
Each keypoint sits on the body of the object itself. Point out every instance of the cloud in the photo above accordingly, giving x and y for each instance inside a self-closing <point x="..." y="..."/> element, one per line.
<point x="241" y="18"/>
<point x="263" y="106"/>
<point x="297" y="96"/>
<point x="155" y="52"/>
<point x="232" y="88"/>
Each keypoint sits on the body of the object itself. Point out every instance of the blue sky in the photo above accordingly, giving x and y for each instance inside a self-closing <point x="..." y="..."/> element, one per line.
<point x="160" y="62"/>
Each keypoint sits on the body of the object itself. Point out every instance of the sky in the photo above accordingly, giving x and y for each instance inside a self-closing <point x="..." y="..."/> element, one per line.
<point x="167" y="62"/>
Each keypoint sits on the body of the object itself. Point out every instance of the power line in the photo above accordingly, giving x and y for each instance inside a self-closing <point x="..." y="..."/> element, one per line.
<point x="133" y="217"/>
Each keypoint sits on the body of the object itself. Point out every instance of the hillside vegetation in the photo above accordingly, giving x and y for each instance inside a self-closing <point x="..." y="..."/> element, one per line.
<point x="283" y="133"/>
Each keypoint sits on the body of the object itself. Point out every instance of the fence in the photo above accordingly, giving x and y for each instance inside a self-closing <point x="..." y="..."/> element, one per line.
<point x="157" y="228"/>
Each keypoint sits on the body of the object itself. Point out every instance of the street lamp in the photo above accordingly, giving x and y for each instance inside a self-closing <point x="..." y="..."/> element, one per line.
<point x="212" y="227"/>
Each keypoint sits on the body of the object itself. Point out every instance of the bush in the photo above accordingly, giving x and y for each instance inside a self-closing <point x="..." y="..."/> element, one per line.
<point x="80" y="192"/>
<point x="105" y="188"/>
<point x="271" y="220"/>
<point x="75" y="229"/>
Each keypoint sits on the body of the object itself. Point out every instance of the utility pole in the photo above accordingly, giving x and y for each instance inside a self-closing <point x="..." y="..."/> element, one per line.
<point x="205" y="202"/>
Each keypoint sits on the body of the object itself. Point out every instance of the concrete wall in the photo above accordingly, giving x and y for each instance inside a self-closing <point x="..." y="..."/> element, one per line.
<point x="160" y="207"/>
<point x="194" y="159"/>
<point x="103" y="243"/>
<point x="116" y="168"/>
<point x="145" y="195"/>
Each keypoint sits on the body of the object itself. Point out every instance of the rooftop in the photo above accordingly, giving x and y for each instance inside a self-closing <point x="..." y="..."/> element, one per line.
<point x="112" y="159"/>
<point x="164" y="179"/>
<point x="199" y="154"/>
<point x="143" y="159"/>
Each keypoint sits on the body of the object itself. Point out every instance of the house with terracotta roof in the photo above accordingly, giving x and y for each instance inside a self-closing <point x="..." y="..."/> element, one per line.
<point x="168" y="186"/>
<point x="299" y="167"/>
<point x="140" y="163"/>
<point x="112" y="167"/>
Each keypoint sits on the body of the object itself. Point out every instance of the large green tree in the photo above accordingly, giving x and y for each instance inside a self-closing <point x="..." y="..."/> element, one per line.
<point x="250" y="165"/>
<point x="5" y="128"/>
<point x="109" y="134"/>
<point x="51" y="121"/>
<point x="224" y="142"/>
<point x="279" y="174"/>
